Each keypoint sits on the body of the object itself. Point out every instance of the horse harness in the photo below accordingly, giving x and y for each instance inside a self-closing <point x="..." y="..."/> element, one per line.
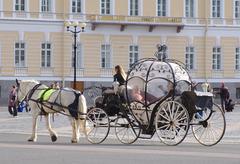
<point x="42" y="102"/>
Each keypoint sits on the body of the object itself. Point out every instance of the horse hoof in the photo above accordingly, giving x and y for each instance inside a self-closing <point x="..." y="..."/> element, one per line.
<point x="54" y="138"/>
<point x="31" y="140"/>
<point x="73" y="141"/>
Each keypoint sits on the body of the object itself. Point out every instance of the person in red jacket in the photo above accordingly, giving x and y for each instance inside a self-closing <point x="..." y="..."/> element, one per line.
<point x="12" y="102"/>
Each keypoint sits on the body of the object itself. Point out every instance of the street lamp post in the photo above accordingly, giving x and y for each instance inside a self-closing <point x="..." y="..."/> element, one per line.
<point x="73" y="28"/>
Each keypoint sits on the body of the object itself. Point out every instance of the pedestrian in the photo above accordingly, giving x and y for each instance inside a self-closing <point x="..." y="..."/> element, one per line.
<point x="224" y="95"/>
<point x="12" y="109"/>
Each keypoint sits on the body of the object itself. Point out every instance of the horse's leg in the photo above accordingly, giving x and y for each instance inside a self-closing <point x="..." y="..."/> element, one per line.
<point x="33" y="137"/>
<point x="49" y="127"/>
<point x="83" y="124"/>
<point x="74" y="130"/>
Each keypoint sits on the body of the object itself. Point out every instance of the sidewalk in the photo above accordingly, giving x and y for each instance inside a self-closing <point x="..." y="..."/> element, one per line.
<point x="23" y="125"/>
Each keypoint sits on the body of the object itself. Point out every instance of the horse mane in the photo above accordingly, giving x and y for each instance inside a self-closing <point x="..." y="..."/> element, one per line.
<point x="30" y="81"/>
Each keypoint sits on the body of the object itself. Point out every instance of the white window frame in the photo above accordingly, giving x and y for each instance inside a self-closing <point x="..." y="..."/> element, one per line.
<point x="140" y="8"/>
<point x="52" y="7"/>
<point x="76" y="7"/>
<point x="237" y="58"/>
<point x="234" y="9"/>
<point x="46" y="50"/>
<point x="166" y="6"/>
<point x="221" y="9"/>
<point x="195" y="9"/>
<point x="132" y="53"/>
<point x="20" y="65"/>
<point x="104" y="54"/>
<point x="79" y="56"/>
<point x="111" y="9"/>
<point x="82" y="7"/>
<point x="216" y="58"/>
<point x="49" y="8"/>
<point x="19" y="5"/>
<point x="190" y="57"/>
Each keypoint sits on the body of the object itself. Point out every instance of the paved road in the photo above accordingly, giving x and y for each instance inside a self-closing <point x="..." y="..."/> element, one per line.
<point x="15" y="150"/>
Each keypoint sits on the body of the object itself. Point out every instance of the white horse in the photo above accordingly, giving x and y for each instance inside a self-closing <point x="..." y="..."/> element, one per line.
<point x="66" y="100"/>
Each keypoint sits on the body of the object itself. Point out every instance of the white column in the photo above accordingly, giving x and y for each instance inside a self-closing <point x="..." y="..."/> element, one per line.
<point x="1" y="8"/>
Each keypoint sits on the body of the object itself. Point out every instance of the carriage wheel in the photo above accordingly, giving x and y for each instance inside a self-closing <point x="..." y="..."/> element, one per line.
<point x="172" y="122"/>
<point x="127" y="130"/>
<point x="97" y="125"/>
<point x="211" y="131"/>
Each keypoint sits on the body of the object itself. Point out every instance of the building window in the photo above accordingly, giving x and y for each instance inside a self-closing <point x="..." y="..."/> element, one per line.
<point x="20" y="5"/>
<point x="189" y="8"/>
<point x="46" y="55"/>
<point x="46" y="5"/>
<point x="76" y="6"/>
<point x="79" y="57"/>
<point x="19" y="54"/>
<point x="237" y="93"/>
<point x="237" y="8"/>
<point x="106" y="7"/>
<point x="162" y="7"/>
<point x="237" y="59"/>
<point x="106" y="56"/>
<point x="133" y="54"/>
<point x="189" y="58"/>
<point x="217" y="6"/>
<point x="134" y="7"/>
<point x="216" y="58"/>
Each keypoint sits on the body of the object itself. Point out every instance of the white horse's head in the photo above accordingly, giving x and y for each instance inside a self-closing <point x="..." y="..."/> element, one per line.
<point x="23" y="88"/>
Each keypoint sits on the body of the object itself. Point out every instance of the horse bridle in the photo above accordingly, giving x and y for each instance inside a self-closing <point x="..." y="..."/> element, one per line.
<point x="29" y="94"/>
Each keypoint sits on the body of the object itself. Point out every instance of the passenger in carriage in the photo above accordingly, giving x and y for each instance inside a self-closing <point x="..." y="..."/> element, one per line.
<point x="136" y="94"/>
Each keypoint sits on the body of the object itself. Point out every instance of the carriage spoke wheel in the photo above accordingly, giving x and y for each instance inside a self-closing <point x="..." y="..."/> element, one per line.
<point x="97" y="125"/>
<point x="127" y="130"/>
<point x="172" y="122"/>
<point x="210" y="131"/>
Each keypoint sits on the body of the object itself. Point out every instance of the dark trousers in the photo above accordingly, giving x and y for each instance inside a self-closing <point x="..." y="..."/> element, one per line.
<point x="12" y="110"/>
<point x="223" y="104"/>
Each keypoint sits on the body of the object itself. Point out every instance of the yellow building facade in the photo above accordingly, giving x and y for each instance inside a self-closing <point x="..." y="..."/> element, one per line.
<point x="34" y="42"/>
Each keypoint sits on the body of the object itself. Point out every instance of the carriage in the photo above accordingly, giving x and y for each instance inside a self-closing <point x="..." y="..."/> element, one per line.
<point x="158" y="98"/>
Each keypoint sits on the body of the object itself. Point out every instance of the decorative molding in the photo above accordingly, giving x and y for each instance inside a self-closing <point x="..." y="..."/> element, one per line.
<point x="218" y="41"/>
<point x="190" y="41"/>
<point x="47" y="36"/>
<point x="107" y="39"/>
<point x="135" y="39"/>
<point x="21" y="35"/>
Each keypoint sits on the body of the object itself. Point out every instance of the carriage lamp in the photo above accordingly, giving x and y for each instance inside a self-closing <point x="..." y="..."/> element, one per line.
<point x="75" y="27"/>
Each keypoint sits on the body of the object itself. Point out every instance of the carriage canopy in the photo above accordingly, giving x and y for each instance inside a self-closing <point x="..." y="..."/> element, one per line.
<point x="151" y="79"/>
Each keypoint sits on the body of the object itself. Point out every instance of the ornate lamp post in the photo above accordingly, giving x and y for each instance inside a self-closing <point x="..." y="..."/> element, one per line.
<point x="75" y="28"/>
